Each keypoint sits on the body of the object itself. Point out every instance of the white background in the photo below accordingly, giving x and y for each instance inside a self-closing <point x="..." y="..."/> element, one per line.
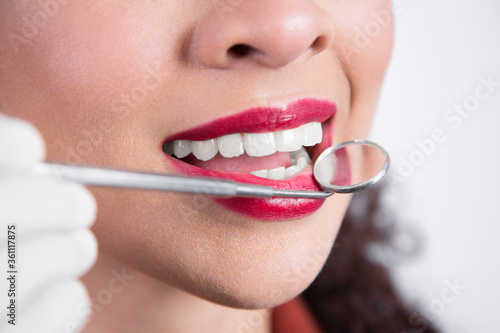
<point x="452" y="196"/>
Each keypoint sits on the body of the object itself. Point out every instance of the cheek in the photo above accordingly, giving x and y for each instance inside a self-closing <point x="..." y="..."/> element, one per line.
<point x="103" y="50"/>
<point x="88" y="66"/>
<point x="363" y="28"/>
<point x="363" y="43"/>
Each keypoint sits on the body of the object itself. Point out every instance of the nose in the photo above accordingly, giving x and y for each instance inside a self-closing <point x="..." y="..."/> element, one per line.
<point x="270" y="33"/>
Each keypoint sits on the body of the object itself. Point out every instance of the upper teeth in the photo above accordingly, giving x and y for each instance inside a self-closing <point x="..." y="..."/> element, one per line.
<point x="254" y="144"/>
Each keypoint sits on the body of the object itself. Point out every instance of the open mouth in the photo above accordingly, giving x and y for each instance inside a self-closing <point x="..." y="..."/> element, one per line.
<point x="274" y="155"/>
<point x="264" y="146"/>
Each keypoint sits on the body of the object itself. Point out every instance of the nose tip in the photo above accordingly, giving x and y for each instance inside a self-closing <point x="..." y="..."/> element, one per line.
<point x="264" y="33"/>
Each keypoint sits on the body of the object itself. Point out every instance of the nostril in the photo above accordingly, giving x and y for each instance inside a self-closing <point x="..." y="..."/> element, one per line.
<point x="319" y="43"/>
<point x="240" y="50"/>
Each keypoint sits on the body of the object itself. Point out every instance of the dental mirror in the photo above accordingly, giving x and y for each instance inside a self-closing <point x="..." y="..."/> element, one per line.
<point x="351" y="166"/>
<point x="344" y="168"/>
<point x="347" y="167"/>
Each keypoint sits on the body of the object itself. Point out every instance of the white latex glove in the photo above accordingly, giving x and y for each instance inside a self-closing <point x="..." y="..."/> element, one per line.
<point x="53" y="243"/>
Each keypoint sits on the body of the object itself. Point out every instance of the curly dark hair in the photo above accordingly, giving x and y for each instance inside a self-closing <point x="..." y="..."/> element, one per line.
<point x="354" y="293"/>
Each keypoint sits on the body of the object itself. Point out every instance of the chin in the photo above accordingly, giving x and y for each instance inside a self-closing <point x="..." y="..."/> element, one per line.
<point x="266" y="266"/>
<point x="263" y="289"/>
<point x="268" y="294"/>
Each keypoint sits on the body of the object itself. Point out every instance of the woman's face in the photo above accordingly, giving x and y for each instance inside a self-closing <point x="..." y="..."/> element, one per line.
<point x="109" y="82"/>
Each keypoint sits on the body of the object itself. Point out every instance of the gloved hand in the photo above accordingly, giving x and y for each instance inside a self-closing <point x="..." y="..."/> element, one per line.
<point x="44" y="239"/>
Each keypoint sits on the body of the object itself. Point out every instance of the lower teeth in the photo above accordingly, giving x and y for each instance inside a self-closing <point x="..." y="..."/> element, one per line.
<point x="300" y="161"/>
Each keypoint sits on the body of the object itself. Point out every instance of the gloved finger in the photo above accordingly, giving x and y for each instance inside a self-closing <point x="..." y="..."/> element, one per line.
<point x="63" y="307"/>
<point x="37" y="203"/>
<point x="44" y="258"/>
<point x="21" y="144"/>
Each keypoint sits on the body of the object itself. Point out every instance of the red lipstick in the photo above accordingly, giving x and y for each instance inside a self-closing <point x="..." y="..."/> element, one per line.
<point x="261" y="120"/>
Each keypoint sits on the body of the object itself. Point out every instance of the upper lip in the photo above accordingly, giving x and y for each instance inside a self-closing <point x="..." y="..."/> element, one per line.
<point x="260" y="120"/>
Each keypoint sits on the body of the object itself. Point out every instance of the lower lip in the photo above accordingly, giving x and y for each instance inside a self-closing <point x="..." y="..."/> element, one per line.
<point x="272" y="209"/>
<point x="276" y="209"/>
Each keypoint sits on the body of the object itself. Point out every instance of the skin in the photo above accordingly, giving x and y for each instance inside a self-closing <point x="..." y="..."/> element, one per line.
<point x="106" y="81"/>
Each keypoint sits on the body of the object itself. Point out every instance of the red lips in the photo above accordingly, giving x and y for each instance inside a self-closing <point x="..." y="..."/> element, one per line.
<point x="261" y="120"/>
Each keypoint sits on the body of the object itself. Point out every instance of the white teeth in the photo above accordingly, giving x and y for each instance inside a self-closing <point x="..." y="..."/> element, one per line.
<point x="318" y="130"/>
<point x="204" y="150"/>
<point x="289" y="140"/>
<point x="182" y="148"/>
<point x="230" y="145"/>
<point x="277" y="173"/>
<point x="291" y="171"/>
<point x="261" y="173"/>
<point x="281" y="173"/>
<point x="259" y="144"/>
<point x="295" y="155"/>
<point x="325" y="171"/>
<point x="254" y="144"/>
<point x="302" y="163"/>
<point x="313" y="134"/>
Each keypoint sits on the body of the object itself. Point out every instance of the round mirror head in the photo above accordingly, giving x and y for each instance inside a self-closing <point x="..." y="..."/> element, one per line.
<point x="351" y="166"/>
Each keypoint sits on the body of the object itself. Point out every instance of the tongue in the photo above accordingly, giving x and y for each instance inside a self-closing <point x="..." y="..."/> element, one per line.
<point x="243" y="163"/>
